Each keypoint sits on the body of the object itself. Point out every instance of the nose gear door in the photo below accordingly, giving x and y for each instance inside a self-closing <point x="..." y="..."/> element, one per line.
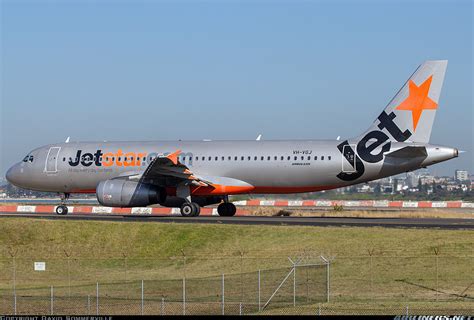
<point x="51" y="165"/>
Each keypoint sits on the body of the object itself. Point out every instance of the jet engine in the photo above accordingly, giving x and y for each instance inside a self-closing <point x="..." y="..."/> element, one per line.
<point x="125" y="193"/>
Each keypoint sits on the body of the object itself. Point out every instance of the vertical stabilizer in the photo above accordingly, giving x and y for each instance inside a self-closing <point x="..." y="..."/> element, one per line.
<point x="413" y="108"/>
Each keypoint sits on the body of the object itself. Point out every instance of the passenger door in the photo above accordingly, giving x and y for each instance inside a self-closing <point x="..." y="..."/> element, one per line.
<point x="51" y="165"/>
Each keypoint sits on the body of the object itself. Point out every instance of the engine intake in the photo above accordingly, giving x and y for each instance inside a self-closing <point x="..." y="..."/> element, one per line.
<point x="125" y="193"/>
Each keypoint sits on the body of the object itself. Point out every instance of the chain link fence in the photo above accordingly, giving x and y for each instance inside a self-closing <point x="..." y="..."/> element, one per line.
<point x="235" y="293"/>
<point x="242" y="284"/>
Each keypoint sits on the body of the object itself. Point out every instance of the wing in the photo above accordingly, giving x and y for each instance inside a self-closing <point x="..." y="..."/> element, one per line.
<point x="167" y="171"/>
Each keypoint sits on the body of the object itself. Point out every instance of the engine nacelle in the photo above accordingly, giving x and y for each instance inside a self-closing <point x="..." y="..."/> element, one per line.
<point x="125" y="193"/>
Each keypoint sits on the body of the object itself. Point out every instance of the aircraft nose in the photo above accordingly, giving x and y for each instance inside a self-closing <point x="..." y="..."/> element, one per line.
<point x="12" y="174"/>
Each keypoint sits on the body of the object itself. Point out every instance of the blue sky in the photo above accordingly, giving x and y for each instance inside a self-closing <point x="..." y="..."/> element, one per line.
<point x="151" y="70"/>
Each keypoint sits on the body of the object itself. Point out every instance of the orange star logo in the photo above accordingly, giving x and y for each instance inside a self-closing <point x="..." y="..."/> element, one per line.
<point x="418" y="100"/>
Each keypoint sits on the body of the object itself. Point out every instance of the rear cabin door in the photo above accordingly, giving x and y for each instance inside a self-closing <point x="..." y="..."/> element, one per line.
<point x="349" y="158"/>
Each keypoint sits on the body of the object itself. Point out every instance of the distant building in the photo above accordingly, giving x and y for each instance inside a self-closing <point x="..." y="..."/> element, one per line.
<point x="411" y="180"/>
<point x="461" y="175"/>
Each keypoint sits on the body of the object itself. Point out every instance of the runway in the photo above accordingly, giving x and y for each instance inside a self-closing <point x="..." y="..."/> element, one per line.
<point x="432" y="223"/>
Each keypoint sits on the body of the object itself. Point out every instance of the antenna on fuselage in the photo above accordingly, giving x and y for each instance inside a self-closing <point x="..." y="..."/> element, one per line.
<point x="259" y="137"/>
<point x="67" y="140"/>
<point x="338" y="138"/>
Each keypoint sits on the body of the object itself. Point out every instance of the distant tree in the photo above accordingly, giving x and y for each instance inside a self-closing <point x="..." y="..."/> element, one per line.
<point x="421" y="189"/>
<point x="395" y="185"/>
<point x="378" y="189"/>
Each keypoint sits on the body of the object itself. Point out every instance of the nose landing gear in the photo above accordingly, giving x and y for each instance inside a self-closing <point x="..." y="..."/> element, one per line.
<point x="62" y="208"/>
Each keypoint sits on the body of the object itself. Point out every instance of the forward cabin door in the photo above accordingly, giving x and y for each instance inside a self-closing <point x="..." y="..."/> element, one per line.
<point x="349" y="158"/>
<point x="52" y="160"/>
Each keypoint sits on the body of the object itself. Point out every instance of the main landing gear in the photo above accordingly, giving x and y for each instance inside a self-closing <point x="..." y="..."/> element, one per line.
<point x="226" y="209"/>
<point x="190" y="209"/>
<point x="62" y="208"/>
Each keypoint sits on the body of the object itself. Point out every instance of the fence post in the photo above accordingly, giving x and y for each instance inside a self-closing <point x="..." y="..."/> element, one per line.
<point x="184" y="296"/>
<point x="407" y="310"/>
<point x="89" y="304"/>
<point x="319" y="309"/>
<point x="142" y="297"/>
<point x="162" y="309"/>
<point x="327" y="277"/>
<point x="240" y="308"/>
<point x="327" y="280"/>
<point x="259" y="300"/>
<point x="294" y="285"/>
<point x="97" y="298"/>
<point x="52" y="299"/>
<point x="12" y="253"/>
<point x="223" y="294"/>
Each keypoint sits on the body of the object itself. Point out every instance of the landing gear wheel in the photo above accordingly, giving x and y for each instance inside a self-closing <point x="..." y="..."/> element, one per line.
<point x="197" y="209"/>
<point x="226" y="209"/>
<point x="190" y="209"/>
<point x="61" y="210"/>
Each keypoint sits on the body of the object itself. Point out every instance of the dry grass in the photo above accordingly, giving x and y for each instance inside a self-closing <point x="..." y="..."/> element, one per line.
<point x="418" y="213"/>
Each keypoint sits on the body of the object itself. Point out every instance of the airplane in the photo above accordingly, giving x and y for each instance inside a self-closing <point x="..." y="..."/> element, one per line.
<point x="192" y="174"/>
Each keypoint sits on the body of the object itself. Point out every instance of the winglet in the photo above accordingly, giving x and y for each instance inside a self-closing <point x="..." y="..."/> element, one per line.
<point x="174" y="156"/>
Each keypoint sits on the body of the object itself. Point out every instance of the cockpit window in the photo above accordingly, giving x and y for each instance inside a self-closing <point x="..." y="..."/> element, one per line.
<point x="25" y="159"/>
<point x="30" y="159"/>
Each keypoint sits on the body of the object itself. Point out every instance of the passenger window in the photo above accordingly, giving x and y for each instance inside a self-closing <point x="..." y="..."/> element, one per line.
<point x="268" y="158"/>
<point x="289" y="157"/>
<point x="329" y="157"/>
<point x="113" y="158"/>
<point x="144" y="158"/>
<point x="315" y="157"/>
<point x="302" y="157"/>
<point x="223" y="158"/>
<point x="276" y="157"/>
<point x="64" y="159"/>
<point x="216" y="158"/>
<point x="235" y="158"/>
<point x="210" y="158"/>
<point x="309" y="158"/>
<point x="255" y="158"/>
<point x="281" y="158"/>
<point x="296" y="158"/>
<point x="322" y="157"/>
<point x="242" y="158"/>
<point x="229" y="158"/>
<point x="203" y="158"/>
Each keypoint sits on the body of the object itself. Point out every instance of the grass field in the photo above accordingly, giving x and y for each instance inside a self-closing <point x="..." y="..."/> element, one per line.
<point x="369" y="266"/>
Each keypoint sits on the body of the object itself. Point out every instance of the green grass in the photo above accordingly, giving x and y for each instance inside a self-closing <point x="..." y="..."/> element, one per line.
<point x="369" y="265"/>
